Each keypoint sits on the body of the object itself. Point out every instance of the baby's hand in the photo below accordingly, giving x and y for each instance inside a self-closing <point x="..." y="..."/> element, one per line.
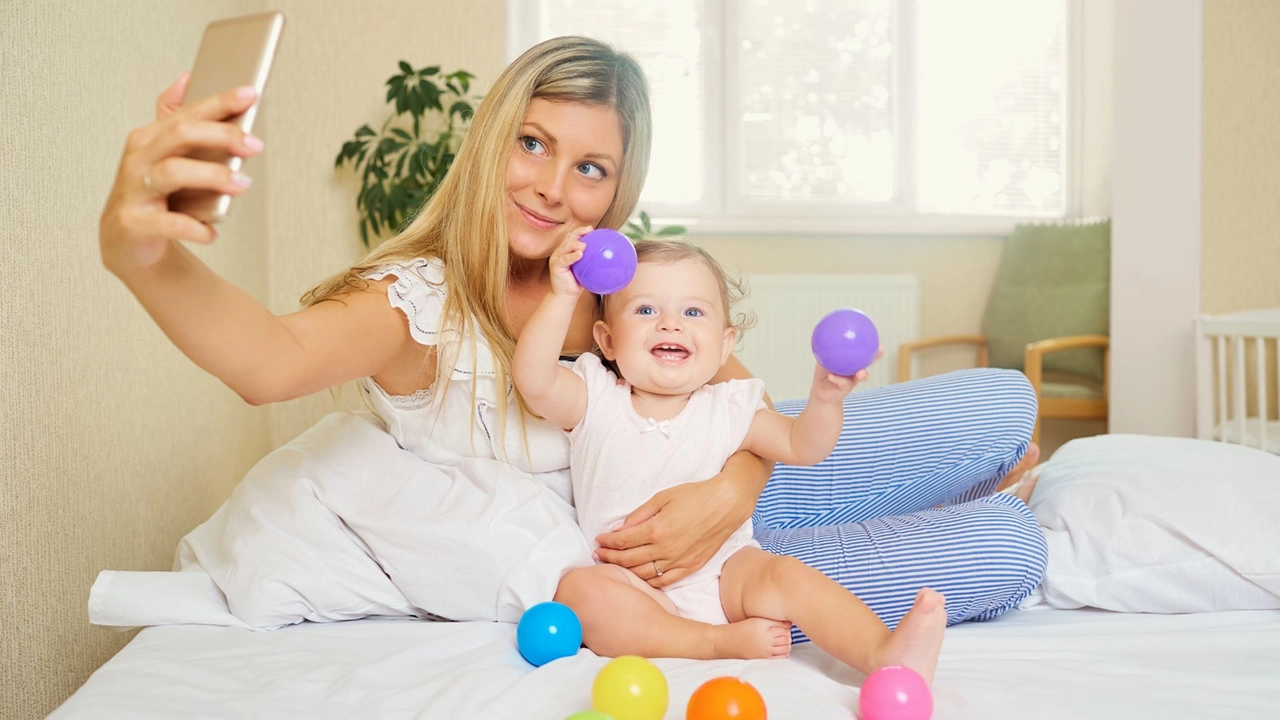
<point x="567" y="253"/>
<point x="829" y="387"/>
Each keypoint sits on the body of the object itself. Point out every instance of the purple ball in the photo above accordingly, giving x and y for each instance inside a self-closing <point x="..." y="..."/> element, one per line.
<point x="608" y="263"/>
<point x="845" y="341"/>
<point x="895" y="693"/>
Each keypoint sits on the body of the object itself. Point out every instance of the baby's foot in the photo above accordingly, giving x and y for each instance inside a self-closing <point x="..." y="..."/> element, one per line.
<point x="1020" y="470"/>
<point x="917" y="640"/>
<point x="752" y="638"/>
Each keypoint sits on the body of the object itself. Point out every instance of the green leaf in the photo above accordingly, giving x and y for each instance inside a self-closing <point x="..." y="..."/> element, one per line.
<point x="429" y="70"/>
<point x="400" y="133"/>
<point x="406" y="67"/>
<point x="462" y="108"/>
<point x="672" y="230"/>
<point x="431" y="95"/>
<point x="365" y="131"/>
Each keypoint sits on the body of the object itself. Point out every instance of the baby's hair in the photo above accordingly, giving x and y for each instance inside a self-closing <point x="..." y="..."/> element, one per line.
<point x="732" y="289"/>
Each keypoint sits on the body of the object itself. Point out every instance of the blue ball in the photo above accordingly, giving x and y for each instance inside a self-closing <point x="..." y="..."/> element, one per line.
<point x="548" y="631"/>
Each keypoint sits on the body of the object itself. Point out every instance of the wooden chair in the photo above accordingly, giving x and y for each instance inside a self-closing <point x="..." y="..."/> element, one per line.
<point x="1048" y="316"/>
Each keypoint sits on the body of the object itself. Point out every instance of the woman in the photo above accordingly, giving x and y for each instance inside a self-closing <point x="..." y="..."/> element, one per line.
<point x="428" y="321"/>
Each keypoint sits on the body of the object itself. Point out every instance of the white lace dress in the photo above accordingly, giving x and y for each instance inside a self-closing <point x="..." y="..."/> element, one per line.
<point x="518" y="494"/>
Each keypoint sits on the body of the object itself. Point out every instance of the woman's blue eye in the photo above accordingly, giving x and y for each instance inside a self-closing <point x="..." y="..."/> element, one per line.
<point x="693" y="312"/>
<point x="590" y="168"/>
<point x="531" y="144"/>
<point x="645" y="310"/>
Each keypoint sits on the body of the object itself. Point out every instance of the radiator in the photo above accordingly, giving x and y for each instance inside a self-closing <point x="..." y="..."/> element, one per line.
<point x="788" y="306"/>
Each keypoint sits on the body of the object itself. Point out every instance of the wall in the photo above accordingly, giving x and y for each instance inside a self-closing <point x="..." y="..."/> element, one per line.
<point x="1241" y="243"/>
<point x="112" y="444"/>
<point x="1156" y="209"/>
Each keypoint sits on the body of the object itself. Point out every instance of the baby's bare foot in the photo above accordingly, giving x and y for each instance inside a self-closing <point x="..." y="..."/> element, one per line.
<point x="1020" y="470"/>
<point x="752" y="638"/>
<point x="917" y="640"/>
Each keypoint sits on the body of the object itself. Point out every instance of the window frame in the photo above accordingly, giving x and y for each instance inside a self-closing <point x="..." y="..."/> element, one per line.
<point x="723" y="212"/>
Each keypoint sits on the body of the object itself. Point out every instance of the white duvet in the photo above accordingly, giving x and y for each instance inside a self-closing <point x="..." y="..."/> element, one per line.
<point x="341" y="523"/>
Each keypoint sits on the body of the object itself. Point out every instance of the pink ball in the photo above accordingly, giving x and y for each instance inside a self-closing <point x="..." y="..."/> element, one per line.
<point x="895" y="693"/>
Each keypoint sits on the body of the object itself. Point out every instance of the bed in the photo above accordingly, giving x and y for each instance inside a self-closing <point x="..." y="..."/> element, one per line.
<point x="1162" y="600"/>
<point x="1037" y="663"/>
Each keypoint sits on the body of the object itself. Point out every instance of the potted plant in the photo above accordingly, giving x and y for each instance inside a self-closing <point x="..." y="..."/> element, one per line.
<point x="402" y="164"/>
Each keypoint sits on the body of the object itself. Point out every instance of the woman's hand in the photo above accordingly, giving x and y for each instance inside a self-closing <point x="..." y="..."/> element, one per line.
<point x="137" y="228"/>
<point x="682" y="527"/>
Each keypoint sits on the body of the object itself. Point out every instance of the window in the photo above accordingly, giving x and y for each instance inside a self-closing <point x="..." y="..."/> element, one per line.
<point x="843" y="115"/>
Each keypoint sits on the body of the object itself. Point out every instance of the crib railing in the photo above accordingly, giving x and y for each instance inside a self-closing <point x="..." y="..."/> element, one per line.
<point x="1227" y="408"/>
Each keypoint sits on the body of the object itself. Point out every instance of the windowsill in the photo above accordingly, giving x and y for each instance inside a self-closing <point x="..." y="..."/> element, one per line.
<point x="905" y="227"/>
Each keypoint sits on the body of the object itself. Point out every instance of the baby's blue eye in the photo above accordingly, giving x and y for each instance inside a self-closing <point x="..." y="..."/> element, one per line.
<point x="531" y="144"/>
<point x="693" y="312"/>
<point x="645" y="310"/>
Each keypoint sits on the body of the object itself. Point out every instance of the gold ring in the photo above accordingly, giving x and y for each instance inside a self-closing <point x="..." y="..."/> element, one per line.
<point x="654" y="563"/>
<point x="146" y="182"/>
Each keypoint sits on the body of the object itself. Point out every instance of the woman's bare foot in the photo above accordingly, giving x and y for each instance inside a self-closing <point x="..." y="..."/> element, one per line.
<point x="1020" y="470"/>
<point x="752" y="638"/>
<point x="1024" y="487"/>
<point x="917" y="640"/>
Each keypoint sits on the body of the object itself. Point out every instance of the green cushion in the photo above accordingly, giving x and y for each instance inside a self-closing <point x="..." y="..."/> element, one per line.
<point x="1070" y="390"/>
<point x="1053" y="281"/>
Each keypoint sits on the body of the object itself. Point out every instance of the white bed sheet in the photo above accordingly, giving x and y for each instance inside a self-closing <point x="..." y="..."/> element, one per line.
<point x="1037" y="663"/>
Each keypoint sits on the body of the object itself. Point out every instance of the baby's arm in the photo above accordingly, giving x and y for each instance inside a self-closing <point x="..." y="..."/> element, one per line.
<point x="809" y="438"/>
<point x="552" y="390"/>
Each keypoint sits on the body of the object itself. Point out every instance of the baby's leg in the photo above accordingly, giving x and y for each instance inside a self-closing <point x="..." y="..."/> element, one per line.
<point x="622" y="615"/>
<point x="755" y="583"/>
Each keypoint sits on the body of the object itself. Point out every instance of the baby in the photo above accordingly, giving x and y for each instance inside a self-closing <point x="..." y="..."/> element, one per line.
<point x="658" y="423"/>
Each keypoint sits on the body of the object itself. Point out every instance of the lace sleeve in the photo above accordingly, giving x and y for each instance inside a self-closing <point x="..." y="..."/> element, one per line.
<point x="418" y="292"/>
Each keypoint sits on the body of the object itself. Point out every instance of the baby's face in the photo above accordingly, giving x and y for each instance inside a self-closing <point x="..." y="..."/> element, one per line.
<point x="666" y="330"/>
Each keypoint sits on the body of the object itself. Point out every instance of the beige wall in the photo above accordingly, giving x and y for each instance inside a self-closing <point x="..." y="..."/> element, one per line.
<point x="112" y="444"/>
<point x="1241" y="240"/>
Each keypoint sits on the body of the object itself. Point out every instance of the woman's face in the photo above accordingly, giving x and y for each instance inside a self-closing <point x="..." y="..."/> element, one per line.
<point x="563" y="173"/>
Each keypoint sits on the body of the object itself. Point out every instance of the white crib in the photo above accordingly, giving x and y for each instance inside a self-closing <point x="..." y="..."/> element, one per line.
<point x="1234" y="352"/>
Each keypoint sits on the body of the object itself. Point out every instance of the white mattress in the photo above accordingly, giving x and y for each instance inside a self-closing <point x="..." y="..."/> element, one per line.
<point x="1038" y="663"/>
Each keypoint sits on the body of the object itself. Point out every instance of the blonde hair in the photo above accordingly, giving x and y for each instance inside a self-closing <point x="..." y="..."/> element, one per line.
<point x="732" y="289"/>
<point x="464" y="223"/>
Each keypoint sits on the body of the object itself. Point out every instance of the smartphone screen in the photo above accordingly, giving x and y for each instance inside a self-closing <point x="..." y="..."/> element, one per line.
<point x="233" y="52"/>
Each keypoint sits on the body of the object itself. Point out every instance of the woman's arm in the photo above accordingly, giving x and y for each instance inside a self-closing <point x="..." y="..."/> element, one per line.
<point x="682" y="527"/>
<point x="223" y="329"/>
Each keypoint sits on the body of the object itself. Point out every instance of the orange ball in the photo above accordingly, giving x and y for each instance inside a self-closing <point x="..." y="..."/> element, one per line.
<point x="726" y="698"/>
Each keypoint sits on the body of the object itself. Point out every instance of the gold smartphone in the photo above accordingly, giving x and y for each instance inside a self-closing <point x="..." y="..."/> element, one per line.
<point x="233" y="52"/>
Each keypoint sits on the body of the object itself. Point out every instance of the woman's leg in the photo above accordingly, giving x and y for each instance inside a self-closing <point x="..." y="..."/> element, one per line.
<point x="908" y="447"/>
<point x="984" y="556"/>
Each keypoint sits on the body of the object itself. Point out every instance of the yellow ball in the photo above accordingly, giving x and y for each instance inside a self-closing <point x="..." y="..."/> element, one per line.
<point x="630" y="688"/>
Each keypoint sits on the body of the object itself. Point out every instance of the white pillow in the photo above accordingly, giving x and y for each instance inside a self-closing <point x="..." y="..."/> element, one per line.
<point x="1164" y="525"/>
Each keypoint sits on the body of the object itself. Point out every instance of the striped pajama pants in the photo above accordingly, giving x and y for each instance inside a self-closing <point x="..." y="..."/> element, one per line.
<point x="869" y="517"/>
